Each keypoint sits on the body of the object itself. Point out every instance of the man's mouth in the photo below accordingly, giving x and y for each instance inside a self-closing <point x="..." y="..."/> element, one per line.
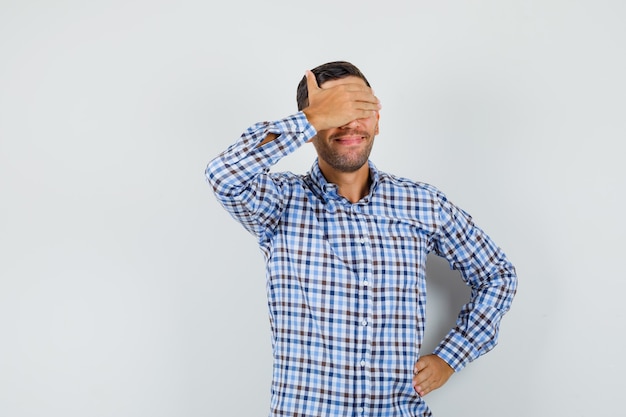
<point x="350" y="138"/>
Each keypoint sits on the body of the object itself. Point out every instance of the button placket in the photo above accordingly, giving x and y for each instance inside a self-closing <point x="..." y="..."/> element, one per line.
<point x="363" y="257"/>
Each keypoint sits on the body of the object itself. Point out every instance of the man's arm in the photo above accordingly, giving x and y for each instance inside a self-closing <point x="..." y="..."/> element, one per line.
<point x="493" y="280"/>
<point x="239" y="175"/>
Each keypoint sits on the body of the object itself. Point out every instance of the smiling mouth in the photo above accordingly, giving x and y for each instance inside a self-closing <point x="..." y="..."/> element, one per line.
<point x="350" y="138"/>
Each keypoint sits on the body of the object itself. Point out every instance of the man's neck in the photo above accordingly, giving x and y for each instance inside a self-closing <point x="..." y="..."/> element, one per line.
<point x="351" y="185"/>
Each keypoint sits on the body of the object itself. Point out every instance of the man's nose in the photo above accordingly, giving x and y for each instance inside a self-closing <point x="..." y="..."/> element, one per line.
<point x="351" y="125"/>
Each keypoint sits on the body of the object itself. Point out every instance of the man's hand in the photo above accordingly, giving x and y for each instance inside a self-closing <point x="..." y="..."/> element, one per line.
<point x="430" y="372"/>
<point x="339" y="104"/>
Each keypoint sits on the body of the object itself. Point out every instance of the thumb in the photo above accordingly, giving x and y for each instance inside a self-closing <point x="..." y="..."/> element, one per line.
<point x="311" y="82"/>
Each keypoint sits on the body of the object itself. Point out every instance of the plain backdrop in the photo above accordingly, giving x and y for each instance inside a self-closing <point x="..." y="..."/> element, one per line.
<point x="126" y="290"/>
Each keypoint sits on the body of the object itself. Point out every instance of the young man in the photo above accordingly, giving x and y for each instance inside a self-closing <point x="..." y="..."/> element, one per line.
<point x="346" y="248"/>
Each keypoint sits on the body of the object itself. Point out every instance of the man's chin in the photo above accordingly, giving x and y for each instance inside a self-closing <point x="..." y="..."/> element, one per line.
<point x="348" y="166"/>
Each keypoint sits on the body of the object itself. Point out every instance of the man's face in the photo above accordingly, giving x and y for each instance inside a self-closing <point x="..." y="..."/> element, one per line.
<point x="346" y="148"/>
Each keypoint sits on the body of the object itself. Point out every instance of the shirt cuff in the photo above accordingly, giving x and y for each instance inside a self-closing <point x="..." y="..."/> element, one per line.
<point x="456" y="350"/>
<point x="292" y="132"/>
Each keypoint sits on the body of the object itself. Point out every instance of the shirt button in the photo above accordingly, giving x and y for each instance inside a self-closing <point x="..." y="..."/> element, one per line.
<point x="362" y="362"/>
<point x="364" y="322"/>
<point x="363" y="241"/>
<point x="365" y="283"/>
<point x="361" y="410"/>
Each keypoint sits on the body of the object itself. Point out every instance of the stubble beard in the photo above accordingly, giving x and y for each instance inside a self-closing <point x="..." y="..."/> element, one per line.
<point x="350" y="160"/>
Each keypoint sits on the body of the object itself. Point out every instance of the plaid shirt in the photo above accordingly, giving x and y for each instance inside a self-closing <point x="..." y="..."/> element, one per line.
<point x="346" y="282"/>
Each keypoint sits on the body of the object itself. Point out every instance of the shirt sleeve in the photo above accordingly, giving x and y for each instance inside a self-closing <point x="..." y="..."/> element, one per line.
<point x="240" y="175"/>
<point x="492" y="278"/>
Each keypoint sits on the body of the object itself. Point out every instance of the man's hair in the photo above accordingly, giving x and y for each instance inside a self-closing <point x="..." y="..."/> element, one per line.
<point x="326" y="72"/>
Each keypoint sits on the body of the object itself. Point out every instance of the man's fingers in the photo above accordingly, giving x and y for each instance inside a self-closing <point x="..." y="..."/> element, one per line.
<point x="421" y="382"/>
<point x="419" y="365"/>
<point x="335" y="105"/>
<point x="430" y="373"/>
<point x="367" y="97"/>
<point x="355" y="91"/>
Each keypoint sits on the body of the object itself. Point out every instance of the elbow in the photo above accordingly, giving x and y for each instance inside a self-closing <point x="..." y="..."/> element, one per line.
<point x="216" y="174"/>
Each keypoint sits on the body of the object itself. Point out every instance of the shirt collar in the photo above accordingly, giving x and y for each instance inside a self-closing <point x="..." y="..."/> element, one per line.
<point x="328" y="191"/>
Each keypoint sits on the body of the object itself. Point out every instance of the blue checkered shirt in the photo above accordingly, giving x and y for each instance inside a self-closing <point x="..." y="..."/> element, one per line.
<point x="346" y="282"/>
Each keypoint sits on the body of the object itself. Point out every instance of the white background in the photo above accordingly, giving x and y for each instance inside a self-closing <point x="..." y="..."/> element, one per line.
<point x="125" y="290"/>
